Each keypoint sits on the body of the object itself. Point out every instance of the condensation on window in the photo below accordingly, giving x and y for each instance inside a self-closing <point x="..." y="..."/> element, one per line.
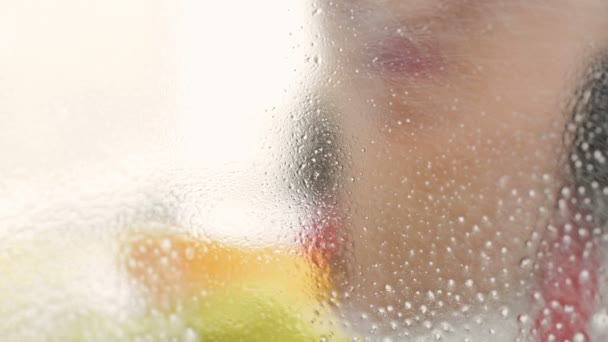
<point x="361" y="170"/>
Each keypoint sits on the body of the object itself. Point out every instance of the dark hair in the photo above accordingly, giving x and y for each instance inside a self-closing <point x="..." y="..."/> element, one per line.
<point x="587" y="136"/>
<point x="568" y="252"/>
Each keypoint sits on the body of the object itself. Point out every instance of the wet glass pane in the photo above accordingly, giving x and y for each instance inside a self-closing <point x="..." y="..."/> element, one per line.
<point x="348" y="170"/>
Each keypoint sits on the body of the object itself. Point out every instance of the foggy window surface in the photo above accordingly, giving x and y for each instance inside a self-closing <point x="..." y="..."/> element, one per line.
<point x="347" y="170"/>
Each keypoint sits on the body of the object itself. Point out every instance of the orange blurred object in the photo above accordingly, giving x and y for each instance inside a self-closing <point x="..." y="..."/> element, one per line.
<point x="171" y="266"/>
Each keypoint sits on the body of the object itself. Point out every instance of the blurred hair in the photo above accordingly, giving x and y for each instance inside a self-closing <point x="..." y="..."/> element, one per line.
<point x="587" y="136"/>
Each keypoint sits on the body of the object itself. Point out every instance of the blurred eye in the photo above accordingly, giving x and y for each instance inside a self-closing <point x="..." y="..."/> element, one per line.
<point x="406" y="57"/>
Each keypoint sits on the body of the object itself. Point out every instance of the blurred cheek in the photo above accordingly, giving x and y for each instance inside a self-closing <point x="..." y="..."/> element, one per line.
<point x="433" y="203"/>
<point x="423" y="182"/>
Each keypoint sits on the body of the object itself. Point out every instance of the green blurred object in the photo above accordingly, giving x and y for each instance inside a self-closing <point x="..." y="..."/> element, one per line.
<point x="235" y="315"/>
<point x="242" y="316"/>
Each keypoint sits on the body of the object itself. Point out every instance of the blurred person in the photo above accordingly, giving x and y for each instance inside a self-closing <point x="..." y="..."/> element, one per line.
<point x="476" y="147"/>
<point x="457" y="164"/>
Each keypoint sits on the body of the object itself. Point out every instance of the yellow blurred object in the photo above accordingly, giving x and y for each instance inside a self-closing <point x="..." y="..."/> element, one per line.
<point x="228" y="293"/>
<point x="172" y="266"/>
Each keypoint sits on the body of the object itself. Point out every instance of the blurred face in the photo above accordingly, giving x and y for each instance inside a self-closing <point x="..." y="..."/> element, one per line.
<point x="456" y="113"/>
